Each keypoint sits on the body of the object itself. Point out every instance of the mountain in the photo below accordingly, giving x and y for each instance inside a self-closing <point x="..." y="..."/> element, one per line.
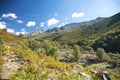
<point x="37" y="32"/>
<point x="83" y="30"/>
<point x="63" y="29"/>
<point x="76" y="25"/>
<point x="44" y="59"/>
<point x="110" y="41"/>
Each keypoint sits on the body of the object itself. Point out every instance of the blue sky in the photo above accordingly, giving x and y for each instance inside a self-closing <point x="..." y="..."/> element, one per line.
<point x="26" y="16"/>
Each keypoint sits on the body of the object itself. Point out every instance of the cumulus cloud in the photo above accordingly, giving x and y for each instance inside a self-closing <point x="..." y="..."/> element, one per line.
<point x="52" y="21"/>
<point x="77" y="15"/>
<point x="9" y="15"/>
<point x="23" y="31"/>
<point x="2" y="25"/>
<point x="62" y="24"/>
<point x="10" y="30"/>
<point x="19" y="21"/>
<point x="31" y="24"/>
<point x="42" y="24"/>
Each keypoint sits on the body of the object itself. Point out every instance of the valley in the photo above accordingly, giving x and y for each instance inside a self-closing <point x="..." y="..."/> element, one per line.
<point x="87" y="50"/>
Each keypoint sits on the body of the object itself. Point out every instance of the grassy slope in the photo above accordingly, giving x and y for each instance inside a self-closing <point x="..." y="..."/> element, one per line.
<point x="93" y="31"/>
<point x="9" y="37"/>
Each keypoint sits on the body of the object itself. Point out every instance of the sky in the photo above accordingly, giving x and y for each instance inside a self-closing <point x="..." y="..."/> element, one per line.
<point x="26" y="16"/>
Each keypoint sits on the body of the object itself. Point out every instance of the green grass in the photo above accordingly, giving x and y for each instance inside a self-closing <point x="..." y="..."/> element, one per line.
<point x="8" y="37"/>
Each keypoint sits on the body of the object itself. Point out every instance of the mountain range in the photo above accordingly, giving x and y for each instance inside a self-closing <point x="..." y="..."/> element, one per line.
<point x="76" y="31"/>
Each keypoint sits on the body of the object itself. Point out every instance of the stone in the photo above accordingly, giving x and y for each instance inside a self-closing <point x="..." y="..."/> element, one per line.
<point x="86" y="76"/>
<point x="93" y="72"/>
<point x="77" y="68"/>
<point x="105" y="75"/>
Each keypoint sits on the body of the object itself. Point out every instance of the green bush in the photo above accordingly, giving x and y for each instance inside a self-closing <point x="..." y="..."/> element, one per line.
<point x="30" y="72"/>
<point x="76" y="53"/>
<point x="101" y="54"/>
<point x="69" y="76"/>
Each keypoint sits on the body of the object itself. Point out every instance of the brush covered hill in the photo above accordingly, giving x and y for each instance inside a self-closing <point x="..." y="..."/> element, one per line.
<point x="94" y="30"/>
<point x="54" y="33"/>
<point x="42" y="60"/>
<point x="8" y="37"/>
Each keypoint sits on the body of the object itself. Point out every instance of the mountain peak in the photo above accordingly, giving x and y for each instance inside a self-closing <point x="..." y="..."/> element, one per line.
<point x="37" y="32"/>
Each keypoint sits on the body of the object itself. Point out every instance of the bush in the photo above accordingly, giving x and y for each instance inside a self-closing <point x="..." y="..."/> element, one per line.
<point x="30" y="72"/>
<point x="101" y="54"/>
<point x="76" y="53"/>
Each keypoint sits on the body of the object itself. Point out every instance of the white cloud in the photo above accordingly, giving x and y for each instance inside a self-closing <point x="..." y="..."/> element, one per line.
<point x="9" y="15"/>
<point x="42" y="24"/>
<point x="52" y="21"/>
<point x="19" y="21"/>
<point x="10" y="30"/>
<point x="2" y="25"/>
<point x="77" y="15"/>
<point x="31" y="24"/>
<point x="23" y="31"/>
<point x="62" y="24"/>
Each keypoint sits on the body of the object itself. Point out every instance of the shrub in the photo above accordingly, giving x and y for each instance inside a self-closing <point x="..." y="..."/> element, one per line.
<point x="101" y="54"/>
<point x="30" y="72"/>
<point x="76" y="53"/>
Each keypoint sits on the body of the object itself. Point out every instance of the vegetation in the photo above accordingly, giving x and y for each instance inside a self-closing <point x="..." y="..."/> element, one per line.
<point x="9" y="37"/>
<point x="76" y="53"/>
<point x="45" y="58"/>
<point x="101" y="54"/>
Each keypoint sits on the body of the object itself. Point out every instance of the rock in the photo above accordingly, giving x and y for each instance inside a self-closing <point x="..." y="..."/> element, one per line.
<point x="105" y="72"/>
<point x="86" y="76"/>
<point x="93" y="72"/>
<point x="105" y="75"/>
<point x="12" y="63"/>
<point x="77" y="68"/>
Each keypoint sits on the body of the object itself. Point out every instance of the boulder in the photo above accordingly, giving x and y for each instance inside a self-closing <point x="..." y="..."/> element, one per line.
<point x="93" y="72"/>
<point x="105" y="75"/>
<point x="77" y="68"/>
<point x="86" y="76"/>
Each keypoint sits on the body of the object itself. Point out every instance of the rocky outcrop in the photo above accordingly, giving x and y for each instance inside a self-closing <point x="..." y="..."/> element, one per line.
<point x="85" y="76"/>
<point x="105" y="75"/>
<point x="93" y="72"/>
<point x="12" y="64"/>
<point x="77" y="68"/>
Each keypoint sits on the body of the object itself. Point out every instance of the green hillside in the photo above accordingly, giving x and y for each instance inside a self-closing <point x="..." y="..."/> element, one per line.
<point x="63" y="55"/>
<point x="93" y="31"/>
<point x="9" y="37"/>
<point x="90" y="31"/>
<point x="110" y="40"/>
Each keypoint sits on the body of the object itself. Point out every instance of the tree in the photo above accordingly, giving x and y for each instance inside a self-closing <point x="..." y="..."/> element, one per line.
<point x="101" y="54"/>
<point x="76" y="53"/>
